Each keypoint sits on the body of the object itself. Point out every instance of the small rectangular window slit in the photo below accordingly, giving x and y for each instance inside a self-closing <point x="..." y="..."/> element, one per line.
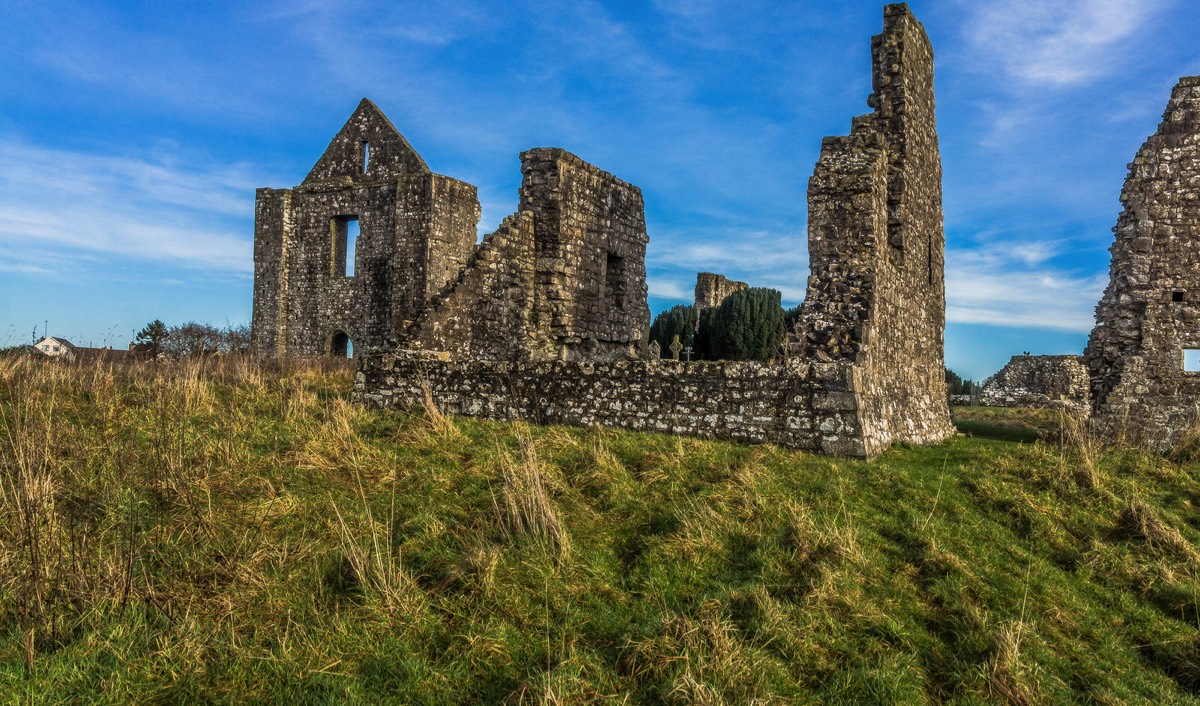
<point x="366" y="156"/>
<point x="1176" y="296"/>
<point x="1191" y="360"/>
<point x="344" y="232"/>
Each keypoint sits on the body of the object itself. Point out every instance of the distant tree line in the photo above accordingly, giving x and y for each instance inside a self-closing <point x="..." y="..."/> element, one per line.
<point x="748" y="325"/>
<point x="955" y="385"/>
<point x="191" y="339"/>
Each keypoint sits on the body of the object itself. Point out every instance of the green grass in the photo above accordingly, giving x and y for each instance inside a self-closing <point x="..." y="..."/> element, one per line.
<point x="229" y="533"/>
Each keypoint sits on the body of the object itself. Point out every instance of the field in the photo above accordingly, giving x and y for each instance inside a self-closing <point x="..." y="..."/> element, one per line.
<point x="226" y="532"/>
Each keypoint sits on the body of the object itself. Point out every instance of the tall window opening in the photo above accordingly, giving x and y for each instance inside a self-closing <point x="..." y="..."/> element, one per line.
<point x="340" y="345"/>
<point x="366" y="156"/>
<point x="1191" y="360"/>
<point x="614" y="281"/>
<point x="344" y="231"/>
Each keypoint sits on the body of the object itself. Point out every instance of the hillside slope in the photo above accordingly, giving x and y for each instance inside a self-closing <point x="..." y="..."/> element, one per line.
<point x="233" y="533"/>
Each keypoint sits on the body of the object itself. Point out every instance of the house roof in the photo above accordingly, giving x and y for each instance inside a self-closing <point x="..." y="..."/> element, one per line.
<point x="56" y="339"/>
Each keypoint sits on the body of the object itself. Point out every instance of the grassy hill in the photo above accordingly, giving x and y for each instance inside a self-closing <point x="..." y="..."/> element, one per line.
<point x="229" y="532"/>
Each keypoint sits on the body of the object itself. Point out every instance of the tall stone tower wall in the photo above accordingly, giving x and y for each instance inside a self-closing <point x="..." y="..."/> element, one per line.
<point x="1149" y="315"/>
<point x="876" y="297"/>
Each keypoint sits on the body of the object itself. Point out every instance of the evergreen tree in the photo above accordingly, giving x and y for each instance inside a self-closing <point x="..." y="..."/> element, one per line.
<point x="792" y="316"/>
<point x="747" y="326"/>
<point x="677" y="321"/>
<point x="702" y="343"/>
<point x="151" y="338"/>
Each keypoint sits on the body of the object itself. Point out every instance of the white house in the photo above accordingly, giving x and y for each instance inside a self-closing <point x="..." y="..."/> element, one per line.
<point x="55" y="347"/>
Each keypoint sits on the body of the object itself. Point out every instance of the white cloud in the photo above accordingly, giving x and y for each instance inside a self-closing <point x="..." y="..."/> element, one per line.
<point x="65" y="202"/>
<point x="1008" y="288"/>
<point x="667" y="288"/>
<point x="1062" y="43"/>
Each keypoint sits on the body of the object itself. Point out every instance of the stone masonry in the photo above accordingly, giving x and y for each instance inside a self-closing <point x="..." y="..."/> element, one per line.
<point x="562" y="279"/>
<point x="1050" y="381"/>
<point x="1149" y="316"/>
<point x="416" y="232"/>
<point x="712" y="289"/>
<point x="871" y="372"/>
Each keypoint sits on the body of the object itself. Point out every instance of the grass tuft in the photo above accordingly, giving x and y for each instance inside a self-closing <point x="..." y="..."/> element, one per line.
<point x="525" y="508"/>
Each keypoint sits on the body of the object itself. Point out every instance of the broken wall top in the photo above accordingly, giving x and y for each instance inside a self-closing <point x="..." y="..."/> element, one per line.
<point x="368" y="139"/>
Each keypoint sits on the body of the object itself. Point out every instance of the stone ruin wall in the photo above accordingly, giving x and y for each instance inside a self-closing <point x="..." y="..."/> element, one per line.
<point x="564" y="278"/>
<point x="1150" y="312"/>
<point x="740" y="401"/>
<point x="876" y="296"/>
<point x="712" y="289"/>
<point x="871" y="333"/>
<point x="1047" y="381"/>
<point x="417" y="230"/>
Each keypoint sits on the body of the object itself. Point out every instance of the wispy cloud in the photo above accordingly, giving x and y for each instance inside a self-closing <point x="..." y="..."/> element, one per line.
<point x="777" y="259"/>
<point x="1015" y="287"/>
<point x="61" y="202"/>
<point x="670" y="288"/>
<point x="1057" y="43"/>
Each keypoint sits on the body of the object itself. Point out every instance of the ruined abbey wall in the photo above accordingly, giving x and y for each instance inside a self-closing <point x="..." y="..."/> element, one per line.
<point x="712" y="289"/>
<point x="871" y="369"/>
<point x="564" y="278"/>
<point x="417" y="230"/>
<point x="1149" y="316"/>
<point x="742" y="401"/>
<point x="1050" y="381"/>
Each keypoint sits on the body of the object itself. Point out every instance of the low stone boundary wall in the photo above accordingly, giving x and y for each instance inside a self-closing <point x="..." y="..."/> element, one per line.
<point x="1050" y="381"/>
<point x="797" y="405"/>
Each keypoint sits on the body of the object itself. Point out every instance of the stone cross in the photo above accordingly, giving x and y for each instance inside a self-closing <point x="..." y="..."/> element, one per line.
<point x="655" y="350"/>
<point x="675" y="347"/>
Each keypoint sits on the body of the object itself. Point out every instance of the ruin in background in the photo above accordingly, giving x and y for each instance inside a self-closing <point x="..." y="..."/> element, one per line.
<point x="1144" y="353"/>
<point x="1048" y="381"/>
<point x="712" y="289"/>
<point x="545" y="319"/>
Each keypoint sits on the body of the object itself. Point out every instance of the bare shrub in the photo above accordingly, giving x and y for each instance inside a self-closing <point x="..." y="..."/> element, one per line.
<point x="375" y="566"/>
<point x="1185" y="448"/>
<point x="439" y="421"/>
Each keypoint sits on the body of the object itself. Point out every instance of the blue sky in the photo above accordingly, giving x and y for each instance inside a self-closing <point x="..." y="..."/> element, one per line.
<point x="133" y="135"/>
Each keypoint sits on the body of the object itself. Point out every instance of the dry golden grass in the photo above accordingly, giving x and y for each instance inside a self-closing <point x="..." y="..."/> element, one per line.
<point x="524" y="506"/>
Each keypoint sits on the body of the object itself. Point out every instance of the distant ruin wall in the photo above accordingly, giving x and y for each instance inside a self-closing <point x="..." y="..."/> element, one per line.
<point x="1149" y="316"/>
<point x="1048" y="381"/>
<point x="712" y="289"/>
